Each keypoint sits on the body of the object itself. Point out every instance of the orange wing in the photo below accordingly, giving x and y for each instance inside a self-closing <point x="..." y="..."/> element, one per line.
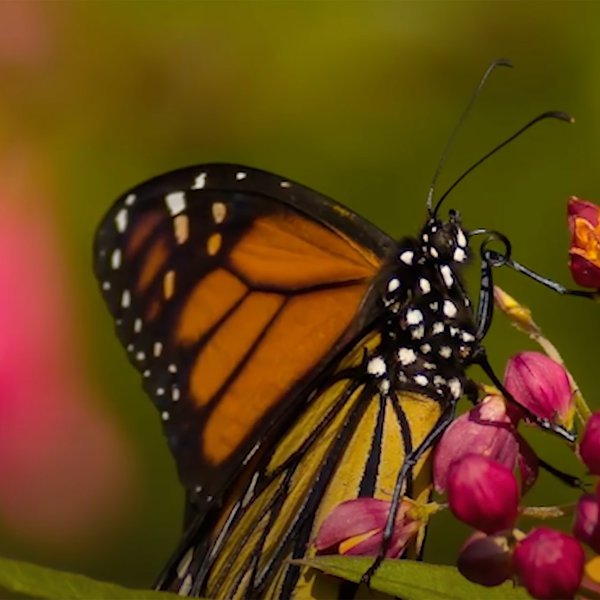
<point x="231" y="289"/>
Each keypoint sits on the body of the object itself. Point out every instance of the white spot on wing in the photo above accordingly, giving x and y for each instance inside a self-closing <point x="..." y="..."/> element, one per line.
<point x="241" y="175"/>
<point x="199" y="182"/>
<point x="164" y="415"/>
<point x="137" y="325"/>
<point x="461" y="240"/>
<point x="115" y="259"/>
<point x="157" y="349"/>
<point x="438" y="327"/>
<point x="424" y="285"/>
<point x="175" y="202"/>
<point x="125" y="299"/>
<point x="121" y="220"/>
<point x="130" y="200"/>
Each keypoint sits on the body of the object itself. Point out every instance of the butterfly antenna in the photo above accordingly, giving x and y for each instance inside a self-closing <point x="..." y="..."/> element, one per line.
<point x="501" y="62"/>
<point x="553" y="114"/>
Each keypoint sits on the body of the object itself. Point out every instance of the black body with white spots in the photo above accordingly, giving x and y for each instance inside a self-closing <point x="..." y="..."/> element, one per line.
<point x="430" y="331"/>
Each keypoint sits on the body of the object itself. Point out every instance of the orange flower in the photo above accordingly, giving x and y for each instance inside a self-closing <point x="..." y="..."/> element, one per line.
<point x="584" y="252"/>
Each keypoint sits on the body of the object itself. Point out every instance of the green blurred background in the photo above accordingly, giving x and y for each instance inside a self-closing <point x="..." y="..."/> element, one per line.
<point x="355" y="99"/>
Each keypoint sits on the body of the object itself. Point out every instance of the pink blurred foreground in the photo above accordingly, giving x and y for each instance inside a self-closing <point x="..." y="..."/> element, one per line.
<point x="65" y="469"/>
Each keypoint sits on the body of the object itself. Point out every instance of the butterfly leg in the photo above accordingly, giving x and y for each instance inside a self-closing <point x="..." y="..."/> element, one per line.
<point x="492" y="258"/>
<point x="489" y="260"/>
<point x="545" y="281"/>
<point x="566" y="478"/>
<point x="410" y="461"/>
<point x="485" y="305"/>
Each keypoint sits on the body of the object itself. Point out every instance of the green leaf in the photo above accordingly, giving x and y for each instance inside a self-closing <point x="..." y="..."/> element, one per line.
<point x="39" y="582"/>
<point x="411" y="580"/>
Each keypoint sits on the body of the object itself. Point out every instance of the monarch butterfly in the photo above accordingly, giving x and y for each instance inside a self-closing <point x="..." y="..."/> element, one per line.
<point x="298" y="356"/>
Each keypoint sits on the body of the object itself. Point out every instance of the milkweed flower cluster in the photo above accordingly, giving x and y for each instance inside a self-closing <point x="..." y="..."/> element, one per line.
<point x="485" y="467"/>
<point x="481" y="485"/>
<point x="484" y="492"/>
<point x="475" y="464"/>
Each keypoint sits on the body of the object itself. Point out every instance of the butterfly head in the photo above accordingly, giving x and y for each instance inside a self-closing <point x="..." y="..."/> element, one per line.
<point x="445" y="241"/>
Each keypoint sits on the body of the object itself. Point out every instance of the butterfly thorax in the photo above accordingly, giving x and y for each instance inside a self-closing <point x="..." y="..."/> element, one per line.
<point x="429" y="323"/>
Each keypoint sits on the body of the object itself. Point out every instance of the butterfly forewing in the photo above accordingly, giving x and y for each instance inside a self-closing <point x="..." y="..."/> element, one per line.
<point x="231" y="288"/>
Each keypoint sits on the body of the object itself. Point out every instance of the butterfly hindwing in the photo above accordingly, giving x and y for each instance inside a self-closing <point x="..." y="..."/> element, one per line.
<point x="230" y="289"/>
<point x="347" y="443"/>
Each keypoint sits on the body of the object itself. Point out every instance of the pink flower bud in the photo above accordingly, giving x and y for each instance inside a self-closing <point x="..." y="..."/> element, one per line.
<point x="485" y="429"/>
<point x="355" y="528"/>
<point x="584" y="251"/>
<point x="549" y="564"/>
<point x="485" y="559"/>
<point x="541" y="385"/>
<point x="589" y="446"/>
<point x="586" y="527"/>
<point x="483" y="493"/>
